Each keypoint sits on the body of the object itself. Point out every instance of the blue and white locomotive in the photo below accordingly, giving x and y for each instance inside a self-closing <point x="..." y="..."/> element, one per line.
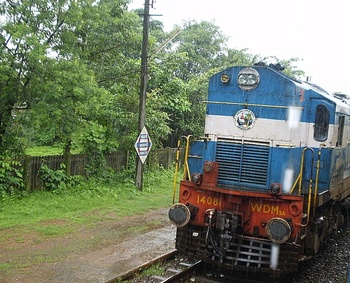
<point x="269" y="181"/>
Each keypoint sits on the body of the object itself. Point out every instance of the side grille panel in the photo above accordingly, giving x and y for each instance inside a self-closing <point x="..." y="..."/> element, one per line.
<point x="242" y="163"/>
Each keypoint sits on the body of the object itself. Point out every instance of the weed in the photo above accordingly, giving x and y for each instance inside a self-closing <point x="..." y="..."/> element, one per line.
<point x="155" y="269"/>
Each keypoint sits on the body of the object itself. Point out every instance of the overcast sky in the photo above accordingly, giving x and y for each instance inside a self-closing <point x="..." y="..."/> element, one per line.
<point x="316" y="31"/>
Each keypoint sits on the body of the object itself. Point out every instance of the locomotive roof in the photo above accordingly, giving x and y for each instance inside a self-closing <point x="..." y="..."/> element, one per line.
<point x="341" y="100"/>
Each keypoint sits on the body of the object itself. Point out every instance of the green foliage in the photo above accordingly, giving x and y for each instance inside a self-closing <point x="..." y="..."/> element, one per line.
<point x="94" y="143"/>
<point x="53" y="180"/>
<point x="11" y="177"/>
<point x="290" y="68"/>
<point x="57" y="180"/>
<point x="204" y="45"/>
<point x="58" y="61"/>
<point x="94" y="139"/>
<point x="155" y="269"/>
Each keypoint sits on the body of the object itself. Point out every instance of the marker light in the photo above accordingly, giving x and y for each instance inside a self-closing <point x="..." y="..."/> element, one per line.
<point x="275" y="188"/>
<point x="196" y="178"/>
<point x="248" y="79"/>
<point x="225" y="78"/>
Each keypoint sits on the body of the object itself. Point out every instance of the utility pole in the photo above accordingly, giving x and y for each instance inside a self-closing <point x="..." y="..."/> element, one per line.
<point x="143" y="88"/>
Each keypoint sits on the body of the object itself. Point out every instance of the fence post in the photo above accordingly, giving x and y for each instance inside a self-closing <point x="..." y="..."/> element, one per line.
<point x="169" y="159"/>
<point x="27" y="172"/>
<point x="68" y="163"/>
<point x="127" y="159"/>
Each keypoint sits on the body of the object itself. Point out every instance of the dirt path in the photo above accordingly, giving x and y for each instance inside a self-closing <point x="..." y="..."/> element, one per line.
<point x="91" y="254"/>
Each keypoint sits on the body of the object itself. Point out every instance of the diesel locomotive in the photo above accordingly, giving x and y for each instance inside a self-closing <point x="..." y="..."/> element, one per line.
<point x="269" y="180"/>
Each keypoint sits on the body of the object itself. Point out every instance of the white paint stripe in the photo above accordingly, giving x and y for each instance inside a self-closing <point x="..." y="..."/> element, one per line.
<point x="278" y="132"/>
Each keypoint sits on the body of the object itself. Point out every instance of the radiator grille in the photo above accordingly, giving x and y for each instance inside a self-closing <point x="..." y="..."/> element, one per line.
<point x="242" y="163"/>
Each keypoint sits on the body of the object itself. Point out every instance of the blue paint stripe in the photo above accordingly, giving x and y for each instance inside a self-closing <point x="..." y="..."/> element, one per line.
<point x="275" y="90"/>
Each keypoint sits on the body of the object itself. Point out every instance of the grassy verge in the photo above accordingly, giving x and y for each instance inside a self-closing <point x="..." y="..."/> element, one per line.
<point x="76" y="204"/>
<point x="28" y="225"/>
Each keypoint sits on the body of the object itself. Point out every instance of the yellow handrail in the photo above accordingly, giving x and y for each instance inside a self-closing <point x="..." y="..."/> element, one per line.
<point x="176" y="168"/>
<point x="187" y="172"/>
<point x="299" y="180"/>
<point x="186" y="169"/>
<point x="300" y="177"/>
<point x="317" y="174"/>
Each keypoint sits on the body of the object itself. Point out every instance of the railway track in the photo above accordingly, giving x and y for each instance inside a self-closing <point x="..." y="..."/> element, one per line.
<point x="180" y="274"/>
<point x="178" y="269"/>
<point x="175" y="270"/>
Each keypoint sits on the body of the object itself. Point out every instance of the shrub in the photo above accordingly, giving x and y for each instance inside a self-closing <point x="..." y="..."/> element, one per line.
<point x="53" y="179"/>
<point x="11" y="177"/>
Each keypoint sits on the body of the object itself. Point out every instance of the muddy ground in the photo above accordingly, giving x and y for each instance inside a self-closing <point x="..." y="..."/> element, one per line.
<point x="91" y="254"/>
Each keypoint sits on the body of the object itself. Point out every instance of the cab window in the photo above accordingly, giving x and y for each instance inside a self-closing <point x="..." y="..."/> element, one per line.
<point x="321" y="123"/>
<point x="340" y="131"/>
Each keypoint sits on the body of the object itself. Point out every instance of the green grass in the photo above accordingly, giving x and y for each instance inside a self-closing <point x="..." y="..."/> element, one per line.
<point x="85" y="204"/>
<point x="47" y="150"/>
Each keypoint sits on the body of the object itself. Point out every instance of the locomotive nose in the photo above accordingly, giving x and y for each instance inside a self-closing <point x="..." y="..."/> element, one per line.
<point x="179" y="214"/>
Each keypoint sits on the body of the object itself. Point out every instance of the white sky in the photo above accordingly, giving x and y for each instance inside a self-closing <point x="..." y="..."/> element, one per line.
<point x="316" y="31"/>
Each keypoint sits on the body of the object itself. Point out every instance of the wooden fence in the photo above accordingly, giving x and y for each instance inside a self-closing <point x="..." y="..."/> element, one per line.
<point x="119" y="161"/>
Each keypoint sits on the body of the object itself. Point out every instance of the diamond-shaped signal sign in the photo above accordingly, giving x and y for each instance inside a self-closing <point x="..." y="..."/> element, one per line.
<point x="143" y="145"/>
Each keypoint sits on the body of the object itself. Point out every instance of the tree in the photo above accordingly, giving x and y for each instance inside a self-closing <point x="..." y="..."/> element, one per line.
<point x="53" y="54"/>
<point x="203" y="43"/>
<point x="32" y="39"/>
<point x="179" y="74"/>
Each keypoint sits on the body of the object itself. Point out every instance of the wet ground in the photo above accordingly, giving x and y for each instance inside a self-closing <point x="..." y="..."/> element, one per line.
<point x="113" y="256"/>
<point x="116" y="246"/>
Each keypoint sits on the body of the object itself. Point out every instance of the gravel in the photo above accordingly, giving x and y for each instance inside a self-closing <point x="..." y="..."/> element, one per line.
<point x="331" y="264"/>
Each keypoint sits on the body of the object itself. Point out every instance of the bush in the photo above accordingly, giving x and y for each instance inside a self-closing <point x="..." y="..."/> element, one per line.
<point x="57" y="180"/>
<point x="11" y="177"/>
<point x="53" y="179"/>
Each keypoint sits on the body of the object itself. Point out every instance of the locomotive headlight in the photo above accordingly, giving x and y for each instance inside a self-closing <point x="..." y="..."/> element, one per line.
<point x="278" y="230"/>
<point x="179" y="214"/>
<point x="248" y="79"/>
